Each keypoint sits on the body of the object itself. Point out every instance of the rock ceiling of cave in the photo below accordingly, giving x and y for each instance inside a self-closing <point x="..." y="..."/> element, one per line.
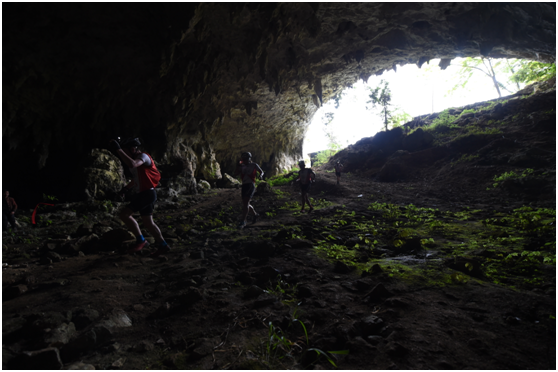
<point x="228" y="77"/>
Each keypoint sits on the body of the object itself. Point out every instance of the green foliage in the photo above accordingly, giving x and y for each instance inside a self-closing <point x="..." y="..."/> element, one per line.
<point x="322" y="157"/>
<point x="281" y="351"/>
<point x="468" y="111"/>
<point x="465" y="159"/>
<point x="285" y="292"/>
<point x="531" y="71"/>
<point x="494" y="69"/>
<point x="42" y="221"/>
<point x="292" y="205"/>
<point x="25" y="219"/>
<point x="280" y="194"/>
<point x="107" y="206"/>
<point x="399" y="117"/>
<point x="479" y="131"/>
<point x="511" y="175"/>
<point x="380" y="96"/>
<point x="282" y="179"/>
<point x="320" y="203"/>
<point x="443" y="123"/>
<point x="502" y="238"/>
<point x="49" y="198"/>
<point x="283" y="347"/>
<point x="337" y="252"/>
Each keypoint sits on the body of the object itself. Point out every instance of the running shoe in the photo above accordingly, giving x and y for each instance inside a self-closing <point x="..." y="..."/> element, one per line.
<point x="242" y="225"/>
<point x="138" y="246"/>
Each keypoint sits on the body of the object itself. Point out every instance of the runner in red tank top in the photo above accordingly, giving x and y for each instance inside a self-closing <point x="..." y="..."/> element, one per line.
<point x="145" y="177"/>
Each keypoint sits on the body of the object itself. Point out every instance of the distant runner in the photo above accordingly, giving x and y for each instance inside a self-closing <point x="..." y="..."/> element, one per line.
<point x="338" y="170"/>
<point x="145" y="177"/>
<point x="248" y="171"/>
<point x="306" y="177"/>
<point x="9" y="207"/>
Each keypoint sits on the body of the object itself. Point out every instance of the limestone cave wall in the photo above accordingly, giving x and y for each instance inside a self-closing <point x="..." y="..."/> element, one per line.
<point x="202" y="82"/>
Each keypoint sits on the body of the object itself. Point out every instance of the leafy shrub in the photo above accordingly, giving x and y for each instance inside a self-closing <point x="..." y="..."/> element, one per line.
<point x="323" y="156"/>
<point x="464" y="158"/>
<point x="282" y="179"/>
<point x="443" y="123"/>
<point x="511" y="175"/>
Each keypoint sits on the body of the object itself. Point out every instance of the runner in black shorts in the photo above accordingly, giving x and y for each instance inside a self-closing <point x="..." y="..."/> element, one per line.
<point x="145" y="177"/>
<point x="248" y="171"/>
<point x="306" y="177"/>
<point x="144" y="202"/>
<point x="338" y="170"/>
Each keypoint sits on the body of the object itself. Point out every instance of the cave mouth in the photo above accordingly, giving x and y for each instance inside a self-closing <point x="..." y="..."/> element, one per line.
<point x="414" y="92"/>
<point x="203" y="82"/>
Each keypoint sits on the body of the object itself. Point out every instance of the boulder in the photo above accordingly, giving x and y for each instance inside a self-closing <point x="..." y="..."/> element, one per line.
<point x="82" y="317"/>
<point x="263" y="188"/>
<point x="87" y="244"/>
<point x="102" y="175"/>
<point x="229" y="182"/>
<point x="203" y="186"/>
<point x="80" y="365"/>
<point x="167" y="193"/>
<point x="370" y="326"/>
<point x="60" y="335"/>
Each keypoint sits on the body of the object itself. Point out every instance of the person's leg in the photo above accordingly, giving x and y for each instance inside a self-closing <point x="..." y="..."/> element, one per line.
<point x="4" y="222"/>
<point x="308" y="201"/>
<point x="251" y="208"/>
<point x="302" y="201"/>
<point x="130" y="222"/>
<point x="248" y="191"/>
<point x="11" y="219"/>
<point x="246" y="208"/>
<point x="162" y="246"/>
<point x="152" y="228"/>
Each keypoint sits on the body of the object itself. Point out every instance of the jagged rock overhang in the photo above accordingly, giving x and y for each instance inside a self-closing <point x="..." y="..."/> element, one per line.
<point x="203" y="82"/>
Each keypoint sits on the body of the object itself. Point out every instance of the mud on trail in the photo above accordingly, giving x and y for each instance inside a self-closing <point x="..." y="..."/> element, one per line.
<point x="444" y="270"/>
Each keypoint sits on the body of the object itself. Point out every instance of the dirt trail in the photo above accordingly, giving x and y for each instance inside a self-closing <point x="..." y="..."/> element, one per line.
<point x="203" y="306"/>
<point x="442" y="271"/>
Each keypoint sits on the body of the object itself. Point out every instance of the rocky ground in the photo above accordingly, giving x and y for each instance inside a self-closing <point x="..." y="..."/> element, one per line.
<point x="427" y="271"/>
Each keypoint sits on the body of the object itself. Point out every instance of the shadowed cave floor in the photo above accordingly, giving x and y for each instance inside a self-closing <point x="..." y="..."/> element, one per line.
<point x="202" y="305"/>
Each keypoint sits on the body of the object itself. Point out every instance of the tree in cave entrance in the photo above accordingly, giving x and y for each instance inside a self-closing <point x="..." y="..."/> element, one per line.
<point x="381" y="97"/>
<point x="516" y="73"/>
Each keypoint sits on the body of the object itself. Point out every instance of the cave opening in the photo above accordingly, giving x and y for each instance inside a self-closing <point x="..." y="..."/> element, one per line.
<point x="414" y="91"/>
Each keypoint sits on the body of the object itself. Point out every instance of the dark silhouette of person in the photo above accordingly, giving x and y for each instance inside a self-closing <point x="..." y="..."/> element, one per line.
<point x="9" y="207"/>
<point x="145" y="177"/>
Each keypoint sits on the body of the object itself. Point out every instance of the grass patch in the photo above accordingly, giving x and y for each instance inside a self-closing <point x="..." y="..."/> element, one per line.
<point x="508" y="248"/>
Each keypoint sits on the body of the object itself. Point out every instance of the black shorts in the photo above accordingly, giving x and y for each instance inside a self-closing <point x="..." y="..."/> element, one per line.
<point x="305" y="188"/>
<point x="248" y="190"/>
<point x="338" y="174"/>
<point x="144" y="202"/>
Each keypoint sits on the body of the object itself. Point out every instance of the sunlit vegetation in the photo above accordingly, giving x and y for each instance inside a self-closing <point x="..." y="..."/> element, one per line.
<point x="510" y="249"/>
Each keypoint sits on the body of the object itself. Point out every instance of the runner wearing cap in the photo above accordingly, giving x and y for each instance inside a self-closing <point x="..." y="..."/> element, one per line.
<point x="145" y="177"/>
